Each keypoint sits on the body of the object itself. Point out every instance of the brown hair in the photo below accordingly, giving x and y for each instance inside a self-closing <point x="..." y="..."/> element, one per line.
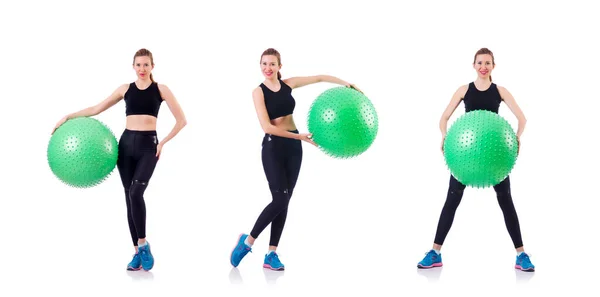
<point x="484" y="51"/>
<point x="145" y="53"/>
<point x="272" y="52"/>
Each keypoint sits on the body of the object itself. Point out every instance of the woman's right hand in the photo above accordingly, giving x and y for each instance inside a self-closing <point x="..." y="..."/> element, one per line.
<point x="308" y="138"/>
<point x="62" y="121"/>
<point x="442" y="144"/>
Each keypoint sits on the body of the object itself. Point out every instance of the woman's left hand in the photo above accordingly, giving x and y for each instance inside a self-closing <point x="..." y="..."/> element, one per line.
<point x="158" y="150"/>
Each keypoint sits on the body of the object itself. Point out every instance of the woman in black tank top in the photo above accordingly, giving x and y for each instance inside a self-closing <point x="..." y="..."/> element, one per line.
<point x="139" y="150"/>
<point x="481" y="94"/>
<point x="281" y="152"/>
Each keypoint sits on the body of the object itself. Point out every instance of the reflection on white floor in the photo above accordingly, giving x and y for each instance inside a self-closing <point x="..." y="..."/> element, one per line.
<point x="140" y="275"/>
<point x="432" y="275"/>
<point x="523" y="277"/>
<point x="271" y="276"/>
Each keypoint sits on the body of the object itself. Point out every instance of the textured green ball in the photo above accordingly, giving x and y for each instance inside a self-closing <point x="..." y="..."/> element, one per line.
<point x="480" y="149"/>
<point x="343" y="122"/>
<point x="82" y="152"/>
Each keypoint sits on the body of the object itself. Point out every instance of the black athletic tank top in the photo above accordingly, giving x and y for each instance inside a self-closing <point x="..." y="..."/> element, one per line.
<point x="482" y="100"/>
<point x="145" y="101"/>
<point x="280" y="103"/>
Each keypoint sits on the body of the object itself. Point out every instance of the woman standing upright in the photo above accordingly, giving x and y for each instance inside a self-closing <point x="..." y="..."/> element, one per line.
<point x="139" y="147"/>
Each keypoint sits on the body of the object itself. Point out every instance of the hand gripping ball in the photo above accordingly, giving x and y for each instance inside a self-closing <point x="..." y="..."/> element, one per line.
<point x="82" y="152"/>
<point x="343" y="122"/>
<point x="480" y="149"/>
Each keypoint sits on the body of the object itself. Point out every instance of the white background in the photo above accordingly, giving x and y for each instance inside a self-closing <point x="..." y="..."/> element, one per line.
<point x="356" y="225"/>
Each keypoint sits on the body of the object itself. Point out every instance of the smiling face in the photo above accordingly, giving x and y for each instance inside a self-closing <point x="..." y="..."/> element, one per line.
<point x="269" y="65"/>
<point x="484" y="64"/>
<point x="143" y="66"/>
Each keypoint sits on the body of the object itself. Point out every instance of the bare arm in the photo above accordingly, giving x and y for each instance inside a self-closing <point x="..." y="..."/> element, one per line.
<point x="102" y="106"/>
<point x="300" y="81"/>
<point x="454" y="102"/>
<point x="263" y="117"/>
<point x="96" y="109"/>
<point x="175" y="109"/>
<point x="514" y="107"/>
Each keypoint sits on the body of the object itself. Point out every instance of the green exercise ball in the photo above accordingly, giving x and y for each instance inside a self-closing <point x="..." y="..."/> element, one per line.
<point x="82" y="152"/>
<point x="480" y="149"/>
<point x="343" y="122"/>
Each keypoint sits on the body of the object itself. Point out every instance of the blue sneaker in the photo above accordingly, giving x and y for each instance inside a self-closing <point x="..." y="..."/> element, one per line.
<point x="146" y="257"/>
<point x="523" y="263"/>
<point x="272" y="262"/>
<point x="135" y="264"/>
<point x="239" y="251"/>
<point x="432" y="259"/>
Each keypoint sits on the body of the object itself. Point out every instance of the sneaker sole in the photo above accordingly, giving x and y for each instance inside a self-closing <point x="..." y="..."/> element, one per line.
<point x="270" y="267"/>
<point x="431" y="266"/>
<point x="526" y="270"/>
<point x="133" y="269"/>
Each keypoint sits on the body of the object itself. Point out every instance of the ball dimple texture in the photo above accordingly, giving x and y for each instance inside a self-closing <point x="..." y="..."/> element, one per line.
<point x="82" y="152"/>
<point x="343" y="122"/>
<point x="480" y="149"/>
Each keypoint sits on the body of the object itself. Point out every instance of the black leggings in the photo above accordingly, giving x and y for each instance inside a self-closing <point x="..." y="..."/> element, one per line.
<point x="455" y="193"/>
<point x="281" y="159"/>
<point x="136" y="162"/>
